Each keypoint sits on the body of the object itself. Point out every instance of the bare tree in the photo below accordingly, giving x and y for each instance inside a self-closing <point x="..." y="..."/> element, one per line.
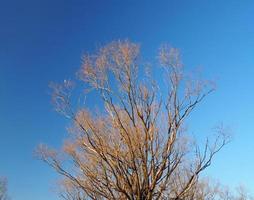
<point x="3" y="189"/>
<point x="137" y="146"/>
<point x="206" y="189"/>
<point x="241" y="193"/>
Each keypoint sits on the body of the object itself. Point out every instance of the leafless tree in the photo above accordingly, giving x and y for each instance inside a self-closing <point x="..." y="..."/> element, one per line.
<point x="3" y="189"/>
<point x="137" y="146"/>
<point x="240" y="193"/>
<point x="206" y="189"/>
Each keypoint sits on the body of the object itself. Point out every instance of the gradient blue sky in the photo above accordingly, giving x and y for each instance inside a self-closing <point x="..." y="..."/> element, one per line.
<point x="41" y="41"/>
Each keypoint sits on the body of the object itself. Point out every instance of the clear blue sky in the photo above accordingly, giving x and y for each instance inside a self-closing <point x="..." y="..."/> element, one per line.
<point x="41" y="41"/>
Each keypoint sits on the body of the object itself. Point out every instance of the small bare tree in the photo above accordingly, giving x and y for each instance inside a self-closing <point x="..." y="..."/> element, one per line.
<point x="207" y="190"/>
<point x="3" y="189"/>
<point x="137" y="146"/>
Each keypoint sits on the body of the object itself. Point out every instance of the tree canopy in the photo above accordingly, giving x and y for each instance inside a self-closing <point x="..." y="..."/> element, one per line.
<point x="136" y="146"/>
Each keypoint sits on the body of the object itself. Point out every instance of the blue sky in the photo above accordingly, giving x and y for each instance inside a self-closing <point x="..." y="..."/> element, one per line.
<point x="43" y="41"/>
